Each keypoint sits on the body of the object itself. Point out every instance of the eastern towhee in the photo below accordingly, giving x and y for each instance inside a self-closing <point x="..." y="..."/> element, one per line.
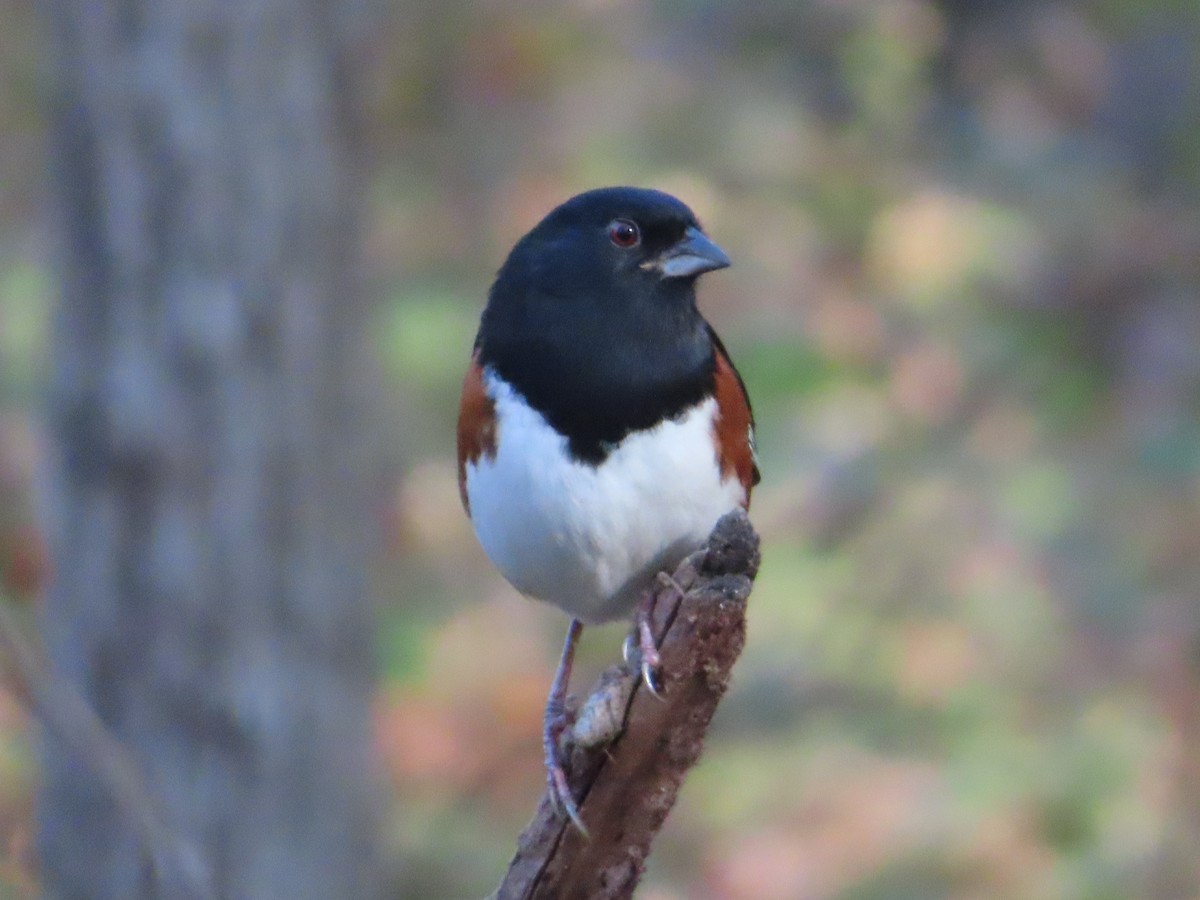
<point x="603" y="429"/>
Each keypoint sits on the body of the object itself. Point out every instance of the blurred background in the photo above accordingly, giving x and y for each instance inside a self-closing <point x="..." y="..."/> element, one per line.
<point x="966" y="303"/>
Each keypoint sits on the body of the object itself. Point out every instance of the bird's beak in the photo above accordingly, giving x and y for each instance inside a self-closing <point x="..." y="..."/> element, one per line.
<point x="694" y="255"/>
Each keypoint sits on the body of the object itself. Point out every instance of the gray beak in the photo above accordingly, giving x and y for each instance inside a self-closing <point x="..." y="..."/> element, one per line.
<point x="694" y="255"/>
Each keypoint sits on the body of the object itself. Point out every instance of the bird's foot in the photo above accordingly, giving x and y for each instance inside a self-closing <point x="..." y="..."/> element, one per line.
<point x="557" y="787"/>
<point x="649" y="659"/>
<point x="651" y="662"/>
<point x="639" y="653"/>
<point x="553" y="725"/>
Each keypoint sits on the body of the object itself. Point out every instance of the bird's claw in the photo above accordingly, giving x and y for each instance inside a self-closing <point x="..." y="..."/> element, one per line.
<point x="557" y="787"/>
<point x="560" y="795"/>
<point x="650" y="677"/>
<point x="647" y="661"/>
<point x="651" y="662"/>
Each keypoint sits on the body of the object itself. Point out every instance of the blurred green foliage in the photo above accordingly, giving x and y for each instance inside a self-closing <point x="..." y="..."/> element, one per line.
<point x="966" y="302"/>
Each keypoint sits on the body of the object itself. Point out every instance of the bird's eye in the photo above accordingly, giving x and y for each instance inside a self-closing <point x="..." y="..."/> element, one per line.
<point x="624" y="234"/>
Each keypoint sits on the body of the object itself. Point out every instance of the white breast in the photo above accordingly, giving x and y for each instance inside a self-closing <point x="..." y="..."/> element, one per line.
<point x="589" y="538"/>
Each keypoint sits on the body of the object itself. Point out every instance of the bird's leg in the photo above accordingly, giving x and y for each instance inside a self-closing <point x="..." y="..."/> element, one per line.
<point x="553" y="726"/>
<point x="651" y="662"/>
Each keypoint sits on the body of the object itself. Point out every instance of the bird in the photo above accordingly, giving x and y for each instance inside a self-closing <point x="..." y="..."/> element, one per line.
<point x="603" y="428"/>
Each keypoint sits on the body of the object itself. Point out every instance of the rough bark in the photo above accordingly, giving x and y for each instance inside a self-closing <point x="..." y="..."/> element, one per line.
<point x="628" y="783"/>
<point x="207" y="498"/>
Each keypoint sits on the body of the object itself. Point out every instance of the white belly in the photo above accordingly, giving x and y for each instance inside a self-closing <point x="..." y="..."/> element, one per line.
<point x="589" y="538"/>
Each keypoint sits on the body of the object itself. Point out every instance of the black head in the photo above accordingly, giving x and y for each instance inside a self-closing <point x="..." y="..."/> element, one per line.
<point x="627" y="237"/>
<point x="593" y="316"/>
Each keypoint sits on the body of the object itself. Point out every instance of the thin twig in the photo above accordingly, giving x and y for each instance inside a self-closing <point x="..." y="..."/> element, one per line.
<point x="178" y="867"/>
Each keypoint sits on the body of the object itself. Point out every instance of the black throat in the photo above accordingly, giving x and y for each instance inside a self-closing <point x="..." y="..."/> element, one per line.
<point x="599" y="371"/>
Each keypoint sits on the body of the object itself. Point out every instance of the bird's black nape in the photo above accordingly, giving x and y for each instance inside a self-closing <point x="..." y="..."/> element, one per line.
<point x="592" y="329"/>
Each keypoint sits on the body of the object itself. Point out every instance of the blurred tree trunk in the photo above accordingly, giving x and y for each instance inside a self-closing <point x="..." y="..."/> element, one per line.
<point x="209" y="512"/>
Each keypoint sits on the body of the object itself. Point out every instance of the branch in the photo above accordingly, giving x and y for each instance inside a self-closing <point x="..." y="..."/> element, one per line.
<point x="177" y="866"/>
<point x="629" y="751"/>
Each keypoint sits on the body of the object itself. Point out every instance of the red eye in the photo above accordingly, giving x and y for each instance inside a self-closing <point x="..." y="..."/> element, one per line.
<point x="624" y="234"/>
